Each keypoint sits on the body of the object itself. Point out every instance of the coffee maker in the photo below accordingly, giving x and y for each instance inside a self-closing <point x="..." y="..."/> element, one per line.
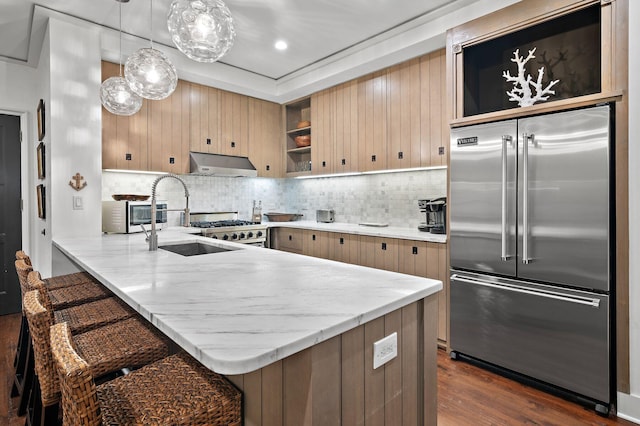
<point x="435" y="210"/>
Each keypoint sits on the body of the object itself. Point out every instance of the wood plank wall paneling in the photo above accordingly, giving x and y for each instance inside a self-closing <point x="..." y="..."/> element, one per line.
<point x="334" y="382"/>
<point x="353" y="383"/>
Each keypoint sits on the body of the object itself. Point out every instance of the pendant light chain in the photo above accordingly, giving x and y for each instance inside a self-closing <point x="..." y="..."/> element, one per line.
<point x="120" y="35"/>
<point x="151" y="24"/>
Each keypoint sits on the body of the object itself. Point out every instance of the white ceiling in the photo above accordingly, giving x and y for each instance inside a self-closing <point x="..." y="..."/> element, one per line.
<point x="318" y="32"/>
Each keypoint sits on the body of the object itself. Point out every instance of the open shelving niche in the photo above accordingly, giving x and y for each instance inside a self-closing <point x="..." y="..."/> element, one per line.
<point x="298" y="159"/>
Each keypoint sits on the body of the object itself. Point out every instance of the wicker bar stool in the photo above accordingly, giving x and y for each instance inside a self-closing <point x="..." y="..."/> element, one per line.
<point x="63" y="291"/>
<point x="130" y="343"/>
<point x="176" y="390"/>
<point x="75" y="292"/>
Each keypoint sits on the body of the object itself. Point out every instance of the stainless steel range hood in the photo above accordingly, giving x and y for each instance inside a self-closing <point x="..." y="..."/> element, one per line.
<point x="221" y="165"/>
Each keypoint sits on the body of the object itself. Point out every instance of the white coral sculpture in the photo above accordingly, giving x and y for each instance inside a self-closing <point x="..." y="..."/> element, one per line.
<point x="521" y="91"/>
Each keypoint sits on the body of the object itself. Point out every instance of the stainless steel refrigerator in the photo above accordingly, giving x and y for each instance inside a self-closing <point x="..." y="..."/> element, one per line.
<point x="531" y="249"/>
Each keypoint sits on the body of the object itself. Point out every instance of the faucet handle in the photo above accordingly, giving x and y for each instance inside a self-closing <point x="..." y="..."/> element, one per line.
<point x="145" y="233"/>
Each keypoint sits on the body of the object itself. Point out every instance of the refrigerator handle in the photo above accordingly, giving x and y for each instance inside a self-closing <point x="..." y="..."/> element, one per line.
<point x="506" y="139"/>
<point x="525" y="198"/>
<point x="521" y="289"/>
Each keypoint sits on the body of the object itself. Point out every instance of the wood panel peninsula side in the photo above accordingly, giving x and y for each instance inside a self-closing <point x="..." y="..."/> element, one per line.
<point x="295" y="333"/>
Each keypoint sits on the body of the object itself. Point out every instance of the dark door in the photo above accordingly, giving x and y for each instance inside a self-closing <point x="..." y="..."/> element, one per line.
<point x="10" y="212"/>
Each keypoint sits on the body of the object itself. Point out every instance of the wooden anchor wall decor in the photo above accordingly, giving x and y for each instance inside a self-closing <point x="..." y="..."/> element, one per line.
<point x="76" y="182"/>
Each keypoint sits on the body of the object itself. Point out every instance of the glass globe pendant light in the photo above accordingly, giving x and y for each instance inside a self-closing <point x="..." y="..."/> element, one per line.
<point x="149" y="72"/>
<point x="115" y="94"/>
<point x="202" y="29"/>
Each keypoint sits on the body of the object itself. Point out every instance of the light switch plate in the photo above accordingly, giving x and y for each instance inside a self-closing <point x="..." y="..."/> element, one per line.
<point x="77" y="202"/>
<point x="384" y="350"/>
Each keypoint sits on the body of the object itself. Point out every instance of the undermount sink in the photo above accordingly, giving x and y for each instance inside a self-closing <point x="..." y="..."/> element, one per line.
<point x="193" y="248"/>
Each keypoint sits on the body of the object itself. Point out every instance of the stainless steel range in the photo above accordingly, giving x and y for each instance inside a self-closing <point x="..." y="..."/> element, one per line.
<point x="226" y="226"/>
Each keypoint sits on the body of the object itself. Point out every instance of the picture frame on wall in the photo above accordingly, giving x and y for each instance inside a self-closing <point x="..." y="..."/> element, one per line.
<point x="41" y="124"/>
<point x="41" y="196"/>
<point x="41" y="161"/>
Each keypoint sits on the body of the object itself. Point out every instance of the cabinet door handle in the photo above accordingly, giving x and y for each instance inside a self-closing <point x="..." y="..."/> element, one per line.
<point x="313" y="237"/>
<point x="290" y="237"/>
<point x="208" y="141"/>
<point x="373" y="158"/>
<point x="344" y="161"/>
<point x="400" y="155"/>
<point x="172" y="160"/>
<point x="127" y="157"/>
<point x="414" y="250"/>
<point x="384" y="246"/>
<point x="324" y="164"/>
<point x="233" y="144"/>
<point x="268" y="167"/>
<point x="341" y="240"/>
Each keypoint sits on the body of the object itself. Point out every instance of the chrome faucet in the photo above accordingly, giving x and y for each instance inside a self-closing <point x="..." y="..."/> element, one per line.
<point x="153" y="238"/>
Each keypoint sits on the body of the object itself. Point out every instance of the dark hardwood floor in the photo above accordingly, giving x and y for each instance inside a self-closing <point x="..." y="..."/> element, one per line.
<point x="467" y="395"/>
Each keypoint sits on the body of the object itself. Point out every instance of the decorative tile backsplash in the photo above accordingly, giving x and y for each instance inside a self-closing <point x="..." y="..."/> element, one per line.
<point x="387" y="197"/>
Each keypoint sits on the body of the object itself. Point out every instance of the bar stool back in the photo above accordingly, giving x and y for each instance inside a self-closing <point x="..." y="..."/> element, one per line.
<point x="176" y="390"/>
<point x="130" y="343"/>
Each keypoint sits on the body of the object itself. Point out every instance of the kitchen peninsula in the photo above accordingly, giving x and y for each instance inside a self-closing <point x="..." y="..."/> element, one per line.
<point x="294" y="333"/>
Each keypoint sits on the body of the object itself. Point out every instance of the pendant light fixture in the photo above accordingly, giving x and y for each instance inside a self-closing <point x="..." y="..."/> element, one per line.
<point x="115" y="94"/>
<point x="202" y="29"/>
<point x="149" y="72"/>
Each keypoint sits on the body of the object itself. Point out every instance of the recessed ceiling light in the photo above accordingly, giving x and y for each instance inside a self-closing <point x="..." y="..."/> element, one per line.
<point x="281" y="45"/>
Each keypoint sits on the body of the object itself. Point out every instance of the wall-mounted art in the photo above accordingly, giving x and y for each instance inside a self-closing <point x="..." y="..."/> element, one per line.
<point x="41" y="196"/>
<point x="41" y="161"/>
<point x="40" y="114"/>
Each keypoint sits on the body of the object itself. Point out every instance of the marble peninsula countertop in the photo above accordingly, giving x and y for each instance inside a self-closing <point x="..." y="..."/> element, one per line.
<point x="240" y="310"/>
<point x="372" y="230"/>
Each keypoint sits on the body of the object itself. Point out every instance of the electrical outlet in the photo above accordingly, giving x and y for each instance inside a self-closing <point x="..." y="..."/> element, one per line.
<point x="384" y="350"/>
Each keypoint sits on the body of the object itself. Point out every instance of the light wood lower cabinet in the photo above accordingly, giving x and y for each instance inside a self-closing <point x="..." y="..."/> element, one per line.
<point x="287" y="239"/>
<point x="345" y="248"/>
<point x="316" y="244"/>
<point x="419" y="258"/>
<point x="429" y="260"/>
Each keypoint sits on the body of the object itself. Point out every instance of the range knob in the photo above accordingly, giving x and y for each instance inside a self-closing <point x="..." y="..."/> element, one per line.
<point x="225" y="237"/>
<point x="242" y="235"/>
<point x="259" y="234"/>
<point x="215" y="237"/>
<point x="234" y="236"/>
<point x="250" y="234"/>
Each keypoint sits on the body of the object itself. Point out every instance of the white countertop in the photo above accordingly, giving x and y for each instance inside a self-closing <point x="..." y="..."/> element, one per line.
<point x="374" y="231"/>
<point x="241" y="310"/>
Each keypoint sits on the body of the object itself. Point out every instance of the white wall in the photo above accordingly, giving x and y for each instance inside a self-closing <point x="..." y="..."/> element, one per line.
<point x="76" y="128"/>
<point x="18" y="97"/>
<point x="629" y="405"/>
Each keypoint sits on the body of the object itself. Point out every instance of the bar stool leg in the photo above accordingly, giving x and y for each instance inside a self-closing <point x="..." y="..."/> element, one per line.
<point x="20" y="361"/>
<point x="28" y="383"/>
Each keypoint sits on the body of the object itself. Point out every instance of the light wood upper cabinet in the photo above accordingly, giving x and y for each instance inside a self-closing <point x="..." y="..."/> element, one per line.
<point x="346" y="156"/>
<point x="265" y="138"/>
<point x="404" y="115"/>
<point x="323" y="131"/>
<point x="434" y="126"/>
<point x="372" y="121"/>
<point x="204" y="118"/>
<point x="169" y="124"/>
<point x="124" y="138"/>
<point x="234" y="124"/>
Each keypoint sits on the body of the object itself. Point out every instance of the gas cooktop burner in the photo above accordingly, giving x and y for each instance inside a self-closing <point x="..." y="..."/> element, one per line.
<point x="220" y="223"/>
